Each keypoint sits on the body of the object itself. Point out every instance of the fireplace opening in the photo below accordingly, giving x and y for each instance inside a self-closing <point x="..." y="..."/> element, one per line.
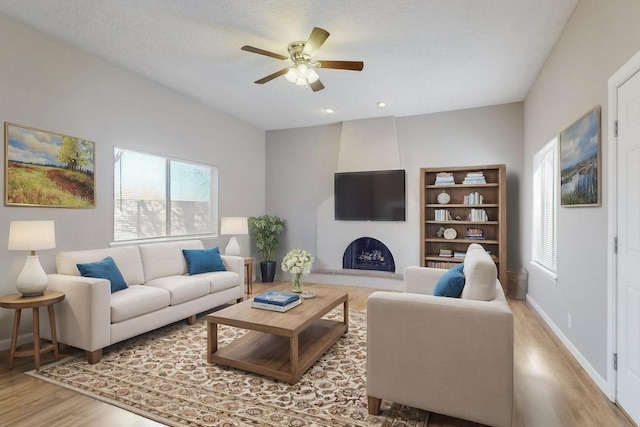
<point x="367" y="253"/>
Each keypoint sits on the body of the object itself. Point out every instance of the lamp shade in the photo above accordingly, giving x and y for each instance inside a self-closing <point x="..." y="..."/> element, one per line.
<point x="234" y="225"/>
<point x="31" y="235"/>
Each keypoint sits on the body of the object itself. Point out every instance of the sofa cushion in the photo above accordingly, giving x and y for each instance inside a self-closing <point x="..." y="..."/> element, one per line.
<point x="480" y="274"/>
<point x="181" y="288"/>
<point x="221" y="280"/>
<point x="203" y="260"/>
<point x="451" y="283"/>
<point x="137" y="300"/>
<point x="104" y="269"/>
<point x="127" y="258"/>
<point x="165" y="259"/>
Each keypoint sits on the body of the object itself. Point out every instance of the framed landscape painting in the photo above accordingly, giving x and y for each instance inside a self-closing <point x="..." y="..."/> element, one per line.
<point x="47" y="169"/>
<point x="580" y="161"/>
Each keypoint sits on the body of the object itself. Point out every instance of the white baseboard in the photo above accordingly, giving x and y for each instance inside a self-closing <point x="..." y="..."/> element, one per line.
<point x="5" y="344"/>
<point x="595" y="376"/>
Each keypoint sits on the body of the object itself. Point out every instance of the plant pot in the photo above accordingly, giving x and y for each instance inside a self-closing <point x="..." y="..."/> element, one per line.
<point x="267" y="271"/>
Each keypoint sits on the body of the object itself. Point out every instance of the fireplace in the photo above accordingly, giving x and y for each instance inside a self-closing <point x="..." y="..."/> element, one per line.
<point x="367" y="253"/>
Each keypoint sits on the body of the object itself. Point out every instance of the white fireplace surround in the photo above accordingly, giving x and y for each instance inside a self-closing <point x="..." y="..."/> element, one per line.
<point x="335" y="236"/>
<point x="365" y="145"/>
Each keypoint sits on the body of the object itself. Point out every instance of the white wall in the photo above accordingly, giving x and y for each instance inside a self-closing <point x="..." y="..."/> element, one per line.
<point x="598" y="39"/>
<point x="301" y="163"/>
<point x="52" y="86"/>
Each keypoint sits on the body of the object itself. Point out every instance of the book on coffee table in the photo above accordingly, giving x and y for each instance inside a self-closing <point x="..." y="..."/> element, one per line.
<point x="275" y="307"/>
<point x="278" y="298"/>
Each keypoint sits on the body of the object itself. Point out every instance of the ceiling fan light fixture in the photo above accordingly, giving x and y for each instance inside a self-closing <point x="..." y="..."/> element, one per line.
<point x="302" y="68"/>
<point x="312" y="76"/>
<point x="292" y="75"/>
<point x="301" y="75"/>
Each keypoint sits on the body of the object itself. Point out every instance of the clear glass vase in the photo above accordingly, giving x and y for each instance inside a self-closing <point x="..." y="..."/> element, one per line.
<point x="296" y="283"/>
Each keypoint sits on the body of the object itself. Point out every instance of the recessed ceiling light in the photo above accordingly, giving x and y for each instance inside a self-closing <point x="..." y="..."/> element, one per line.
<point x="328" y="110"/>
<point x="382" y="104"/>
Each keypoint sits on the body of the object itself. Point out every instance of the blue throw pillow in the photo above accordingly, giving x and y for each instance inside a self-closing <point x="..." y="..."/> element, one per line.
<point x="203" y="260"/>
<point x="105" y="269"/>
<point x="450" y="283"/>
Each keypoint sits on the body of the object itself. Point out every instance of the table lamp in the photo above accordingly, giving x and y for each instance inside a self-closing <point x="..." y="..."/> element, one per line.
<point x="31" y="236"/>
<point x="233" y="225"/>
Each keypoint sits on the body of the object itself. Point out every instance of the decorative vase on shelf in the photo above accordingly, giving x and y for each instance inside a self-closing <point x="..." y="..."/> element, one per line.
<point x="296" y="283"/>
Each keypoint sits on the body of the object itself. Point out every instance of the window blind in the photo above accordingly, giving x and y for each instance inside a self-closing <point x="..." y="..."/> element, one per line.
<point x="545" y="166"/>
<point x="157" y="197"/>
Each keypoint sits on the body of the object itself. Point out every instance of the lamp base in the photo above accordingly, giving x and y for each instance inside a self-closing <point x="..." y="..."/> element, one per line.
<point x="232" y="248"/>
<point x="32" y="280"/>
<point x="32" y="294"/>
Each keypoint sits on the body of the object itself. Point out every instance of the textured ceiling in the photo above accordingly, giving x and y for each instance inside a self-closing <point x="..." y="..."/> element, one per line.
<point x="420" y="56"/>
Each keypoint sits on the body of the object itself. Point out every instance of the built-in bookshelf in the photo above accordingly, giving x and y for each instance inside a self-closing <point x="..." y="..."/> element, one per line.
<point x="473" y="209"/>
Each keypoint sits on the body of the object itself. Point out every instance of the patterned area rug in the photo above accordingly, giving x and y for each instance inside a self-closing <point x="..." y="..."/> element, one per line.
<point x="164" y="376"/>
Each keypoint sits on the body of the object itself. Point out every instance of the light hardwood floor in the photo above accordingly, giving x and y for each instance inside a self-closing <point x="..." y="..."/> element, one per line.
<point x="551" y="389"/>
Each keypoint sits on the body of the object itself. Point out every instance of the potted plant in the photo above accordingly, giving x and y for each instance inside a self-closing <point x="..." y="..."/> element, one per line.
<point x="265" y="230"/>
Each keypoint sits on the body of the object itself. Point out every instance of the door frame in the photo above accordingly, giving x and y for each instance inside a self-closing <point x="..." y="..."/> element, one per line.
<point x="628" y="70"/>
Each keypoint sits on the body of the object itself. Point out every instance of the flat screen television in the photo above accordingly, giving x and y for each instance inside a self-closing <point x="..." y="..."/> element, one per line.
<point x="370" y="196"/>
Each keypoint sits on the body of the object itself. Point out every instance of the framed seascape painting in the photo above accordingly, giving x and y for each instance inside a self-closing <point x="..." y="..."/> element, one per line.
<point x="580" y="161"/>
<point x="47" y="169"/>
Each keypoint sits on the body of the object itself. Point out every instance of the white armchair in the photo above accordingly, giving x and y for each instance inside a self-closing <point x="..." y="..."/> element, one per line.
<point x="452" y="356"/>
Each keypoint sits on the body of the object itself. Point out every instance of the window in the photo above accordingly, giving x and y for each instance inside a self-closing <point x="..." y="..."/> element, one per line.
<point x="157" y="197"/>
<point x="545" y="165"/>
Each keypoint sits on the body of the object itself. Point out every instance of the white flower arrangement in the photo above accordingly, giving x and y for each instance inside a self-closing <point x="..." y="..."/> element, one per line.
<point x="297" y="261"/>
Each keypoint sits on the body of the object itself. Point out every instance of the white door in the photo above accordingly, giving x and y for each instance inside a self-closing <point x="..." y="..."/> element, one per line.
<point x="628" y="163"/>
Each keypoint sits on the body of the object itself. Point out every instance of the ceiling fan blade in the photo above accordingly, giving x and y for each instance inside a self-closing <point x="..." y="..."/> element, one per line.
<point x="316" y="86"/>
<point x="342" y="65"/>
<point x="263" y="52"/>
<point x="272" y="76"/>
<point x="316" y="39"/>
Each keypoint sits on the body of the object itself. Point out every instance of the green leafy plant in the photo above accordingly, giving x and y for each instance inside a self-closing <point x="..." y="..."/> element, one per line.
<point x="266" y="230"/>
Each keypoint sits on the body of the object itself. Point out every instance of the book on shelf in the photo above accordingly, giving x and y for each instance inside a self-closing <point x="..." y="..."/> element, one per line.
<point x="473" y="198"/>
<point x="478" y="215"/>
<point x="444" y="178"/>
<point x="441" y="264"/>
<point x="279" y="298"/>
<point x="446" y="253"/>
<point x="475" y="234"/>
<point x="459" y="254"/>
<point x="275" y="307"/>
<point x="474" y="178"/>
<point x="442" y="215"/>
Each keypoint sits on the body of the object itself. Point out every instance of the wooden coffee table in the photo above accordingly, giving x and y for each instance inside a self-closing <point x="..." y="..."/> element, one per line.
<point x="279" y="345"/>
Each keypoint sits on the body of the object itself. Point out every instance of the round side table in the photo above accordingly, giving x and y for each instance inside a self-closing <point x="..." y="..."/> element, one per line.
<point x="17" y="302"/>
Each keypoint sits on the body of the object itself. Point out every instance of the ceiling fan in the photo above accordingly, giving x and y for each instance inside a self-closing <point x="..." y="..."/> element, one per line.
<point x="303" y="68"/>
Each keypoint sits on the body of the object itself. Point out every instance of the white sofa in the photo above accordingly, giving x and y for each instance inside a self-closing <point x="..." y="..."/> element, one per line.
<point x="160" y="292"/>
<point x="452" y="356"/>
